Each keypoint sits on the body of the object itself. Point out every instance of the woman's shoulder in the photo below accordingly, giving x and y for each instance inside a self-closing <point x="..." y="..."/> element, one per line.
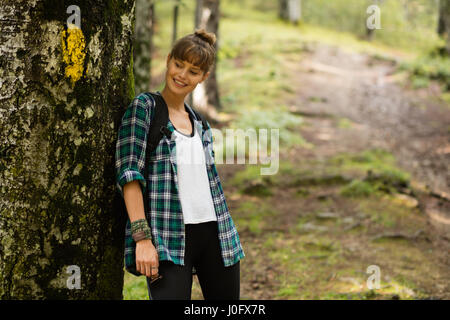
<point x="146" y="99"/>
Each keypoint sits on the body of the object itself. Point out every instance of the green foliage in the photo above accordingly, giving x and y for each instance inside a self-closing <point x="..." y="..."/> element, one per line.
<point x="379" y="162"/>
<point x="407" y="24"/>
<point x="377" y="169"/>
<point x="253" y="216"/>
<point x="135" y="288"/>
<point x="358" y="188"/>
<point x="250" y="181"/>
<point x="430" y="66"/>
<point x="277" y="118"/>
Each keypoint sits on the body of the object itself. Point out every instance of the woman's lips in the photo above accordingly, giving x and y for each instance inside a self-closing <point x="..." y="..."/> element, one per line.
<point x="178" y="83"/>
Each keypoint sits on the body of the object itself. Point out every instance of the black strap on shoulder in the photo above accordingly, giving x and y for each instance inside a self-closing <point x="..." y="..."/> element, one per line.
<point x="199" y="116"/>
<point x="158" y="125"/>
<point x="158" y="128"/>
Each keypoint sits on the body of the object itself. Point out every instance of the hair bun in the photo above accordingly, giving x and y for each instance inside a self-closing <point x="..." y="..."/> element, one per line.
<point x="206" y="36"/>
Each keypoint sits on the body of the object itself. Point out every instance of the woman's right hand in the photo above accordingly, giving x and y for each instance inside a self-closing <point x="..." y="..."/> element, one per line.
<point x="147" y="262"/>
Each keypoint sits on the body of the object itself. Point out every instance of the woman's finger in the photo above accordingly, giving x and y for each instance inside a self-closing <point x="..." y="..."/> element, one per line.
<point x="154" y="271"/>
<point x="147" y="270"/>
<point x="138" y="267"/>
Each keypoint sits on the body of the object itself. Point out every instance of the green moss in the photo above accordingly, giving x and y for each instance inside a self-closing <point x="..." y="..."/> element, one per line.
<point x="375" y="169"/>
<point x="130" y="80"/>
<point x="109" y="281"/>
<point x="250" y="181"/>
<point x="344" y="123"/>
<point x="112" y="11"/>
<point x="358" y="188"/>
<point x="253" y="216"/>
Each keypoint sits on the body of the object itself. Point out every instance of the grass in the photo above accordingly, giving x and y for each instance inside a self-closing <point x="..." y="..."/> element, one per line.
<point x="318" y="265"/>
<point x="253" y="216"/>
<point x="135" y="288"/>
<point x="378" y="161"/>
<point x="427" y="67"/>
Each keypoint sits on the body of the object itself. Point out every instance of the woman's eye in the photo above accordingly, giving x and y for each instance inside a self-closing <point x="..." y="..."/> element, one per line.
<point x="193" y="72"/>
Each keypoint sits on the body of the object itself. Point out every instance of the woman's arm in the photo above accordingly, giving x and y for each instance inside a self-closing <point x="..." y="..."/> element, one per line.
<point x="146" y="254"/>
<point x="130" y="181"/>
<point x="133" y="200"/>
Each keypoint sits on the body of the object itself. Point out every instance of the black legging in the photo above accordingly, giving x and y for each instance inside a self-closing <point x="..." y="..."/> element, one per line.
<point x="202" y="251"/>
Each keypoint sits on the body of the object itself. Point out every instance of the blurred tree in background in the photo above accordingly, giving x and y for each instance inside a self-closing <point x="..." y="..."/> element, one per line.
<point x="290" y="10"/>
<point x="444" y="22"/>
<point x="206" y="96"/>
<point x="143" y="44"/>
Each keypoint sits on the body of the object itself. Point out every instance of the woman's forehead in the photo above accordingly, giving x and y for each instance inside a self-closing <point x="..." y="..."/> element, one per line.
<point x="187" y="62"/>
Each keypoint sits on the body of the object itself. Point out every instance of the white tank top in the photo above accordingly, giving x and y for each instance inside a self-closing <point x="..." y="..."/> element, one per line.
<point x="193" y="184"/>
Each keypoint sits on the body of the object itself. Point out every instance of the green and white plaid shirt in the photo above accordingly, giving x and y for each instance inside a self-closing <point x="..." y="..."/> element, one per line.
<point x="164" y="208"/>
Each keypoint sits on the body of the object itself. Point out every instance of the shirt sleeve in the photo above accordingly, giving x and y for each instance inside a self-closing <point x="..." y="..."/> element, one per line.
<point x="131" y="144"/>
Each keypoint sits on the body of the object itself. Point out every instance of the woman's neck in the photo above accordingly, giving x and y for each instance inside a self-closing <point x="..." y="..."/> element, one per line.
<point x="174" y="102"/>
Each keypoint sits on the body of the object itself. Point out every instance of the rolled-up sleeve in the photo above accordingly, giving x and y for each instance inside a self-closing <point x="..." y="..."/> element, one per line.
<point x="131" y="144"/>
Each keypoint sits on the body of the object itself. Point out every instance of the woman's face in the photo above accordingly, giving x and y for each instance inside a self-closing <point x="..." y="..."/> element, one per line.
<point x="182" y="77"/>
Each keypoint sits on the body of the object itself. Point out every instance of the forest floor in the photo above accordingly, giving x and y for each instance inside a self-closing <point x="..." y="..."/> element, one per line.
<point x="369" y="191"/>
<point x="366" y="190"/>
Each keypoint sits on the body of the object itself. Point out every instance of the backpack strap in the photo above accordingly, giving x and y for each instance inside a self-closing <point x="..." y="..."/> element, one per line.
<point x="200" y="116"/>
<point x="158" y="128"/>
<point x="158" y="125"/>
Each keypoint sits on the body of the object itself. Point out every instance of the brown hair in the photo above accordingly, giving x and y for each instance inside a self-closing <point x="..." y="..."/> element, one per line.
<point x="196" y="48"/>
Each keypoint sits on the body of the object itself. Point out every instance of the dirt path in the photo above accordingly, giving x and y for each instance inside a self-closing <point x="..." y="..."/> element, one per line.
<point x="308" y="241"/>
<point x="363" y="89"/>
<point x="413" y="125"/>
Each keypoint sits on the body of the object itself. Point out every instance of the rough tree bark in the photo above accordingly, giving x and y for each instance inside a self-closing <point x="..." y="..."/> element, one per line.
<point x="63" y="91"/>
<point x="206" y="96"/>
<point x="143" y="45"/>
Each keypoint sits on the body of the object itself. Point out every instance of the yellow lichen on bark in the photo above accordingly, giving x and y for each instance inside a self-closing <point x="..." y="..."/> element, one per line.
<point x="73" y="44"/>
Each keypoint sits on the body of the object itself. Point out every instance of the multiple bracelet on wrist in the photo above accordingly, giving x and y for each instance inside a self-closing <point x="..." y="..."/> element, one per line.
<point x="140" y="230"/>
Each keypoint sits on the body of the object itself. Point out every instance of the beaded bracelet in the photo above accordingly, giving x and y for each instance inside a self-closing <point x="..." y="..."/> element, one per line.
<point x="140" y="230"/>
<point x="141" y="235"/>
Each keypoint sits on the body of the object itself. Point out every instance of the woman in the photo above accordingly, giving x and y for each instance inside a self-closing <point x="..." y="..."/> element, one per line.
<point x="188" y="225"/>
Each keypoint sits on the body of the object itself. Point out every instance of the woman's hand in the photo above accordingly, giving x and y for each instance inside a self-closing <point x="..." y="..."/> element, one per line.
<point x="147" y="261"/>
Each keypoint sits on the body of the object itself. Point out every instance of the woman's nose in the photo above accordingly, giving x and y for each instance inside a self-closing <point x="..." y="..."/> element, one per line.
<point x="183" y="73"/>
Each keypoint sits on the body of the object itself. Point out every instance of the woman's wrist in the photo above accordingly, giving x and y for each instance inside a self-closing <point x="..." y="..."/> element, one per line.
<point x="140" y="230"/>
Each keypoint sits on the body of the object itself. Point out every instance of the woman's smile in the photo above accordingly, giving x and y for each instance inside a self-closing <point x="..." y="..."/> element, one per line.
<point x="179" y="83"/>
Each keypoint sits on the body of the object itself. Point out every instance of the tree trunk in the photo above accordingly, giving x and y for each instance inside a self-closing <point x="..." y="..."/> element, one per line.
<point x="175" y="21"/>
<point x="444" y="22"/>
<point x="283" y="12"/>
<point x="143" y="45"/>
<point x="206" y="96"/>
<point x="290" y="10"/>
<point x="62" y="95"/>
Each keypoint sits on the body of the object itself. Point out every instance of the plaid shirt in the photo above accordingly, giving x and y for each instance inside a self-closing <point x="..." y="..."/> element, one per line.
<point x="164" y="208"/>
